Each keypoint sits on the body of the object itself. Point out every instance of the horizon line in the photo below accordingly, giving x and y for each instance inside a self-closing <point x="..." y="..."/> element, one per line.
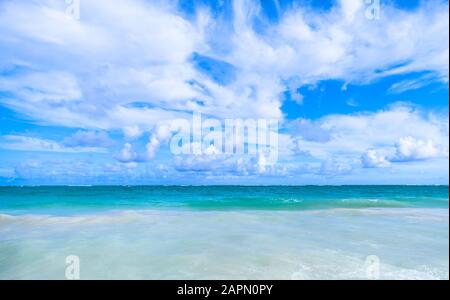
<point x="225" y="185"/>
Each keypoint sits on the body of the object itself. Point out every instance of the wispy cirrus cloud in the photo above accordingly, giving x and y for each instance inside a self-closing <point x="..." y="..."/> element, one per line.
<point x="33" y="144"/>
<point x="80" y="138"/>
<point x="413" y="84"/>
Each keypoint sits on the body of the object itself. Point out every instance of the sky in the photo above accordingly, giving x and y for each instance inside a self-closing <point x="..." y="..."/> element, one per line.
<point x="89" y="88"/>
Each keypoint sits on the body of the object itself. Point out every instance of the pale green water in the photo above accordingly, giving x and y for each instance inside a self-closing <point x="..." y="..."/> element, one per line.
<point x="224" y="232"/>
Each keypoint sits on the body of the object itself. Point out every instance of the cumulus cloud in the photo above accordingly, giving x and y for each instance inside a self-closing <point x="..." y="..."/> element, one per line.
<point x="406" y="149"/>
<point x="411" y="149"/>
<point x="162" y="133"/>
<point x="160" y="136"/>
<point x="373" y="159"/>
<point x="215" y="164"/>
<point x="127" y="154"/>
<point x="377" y="138"/>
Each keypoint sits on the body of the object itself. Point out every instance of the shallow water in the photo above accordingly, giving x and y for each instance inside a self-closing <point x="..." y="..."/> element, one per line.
<point x="132" y="240"/>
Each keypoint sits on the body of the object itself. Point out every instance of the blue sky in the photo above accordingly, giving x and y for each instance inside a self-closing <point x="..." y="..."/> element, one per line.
<point x="361" y="98"/>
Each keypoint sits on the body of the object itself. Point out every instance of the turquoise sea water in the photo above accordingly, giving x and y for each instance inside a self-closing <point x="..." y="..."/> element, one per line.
<point x="61" y="200"/>
<point x="225" y="232"/>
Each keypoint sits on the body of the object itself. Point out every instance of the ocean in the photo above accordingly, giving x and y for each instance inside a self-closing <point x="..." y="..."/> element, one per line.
<point x="225" y="232"/>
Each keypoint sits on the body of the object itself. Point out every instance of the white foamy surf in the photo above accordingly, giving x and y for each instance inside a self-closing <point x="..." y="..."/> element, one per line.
<point x="325" y="244"/>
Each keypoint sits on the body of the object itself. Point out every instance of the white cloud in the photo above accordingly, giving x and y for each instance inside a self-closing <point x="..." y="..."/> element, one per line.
<point x="411" y="149"/>
<point x="162" y="133"/>
<point x="212" y="164"/>
<point x="113" y="55"/>
<point x="344" y="44"/>
<point x="375" y="137"/>
<point x="53" y="87"/>
<point x="132" y="132"/>
<point x="310" y="131"/>
<point x="224" y="165"/>
<point x="412" y="84"/>
<point x="140" y="51"/>
<point x="350" y="8"/>
<point x="406" y="149"/>
<point x="127" y="154"/>
<point x="26" y="143"/>
<point x="152" y="147"/>
<point x="89" y="139"/>
<point x="373" y="159"/>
